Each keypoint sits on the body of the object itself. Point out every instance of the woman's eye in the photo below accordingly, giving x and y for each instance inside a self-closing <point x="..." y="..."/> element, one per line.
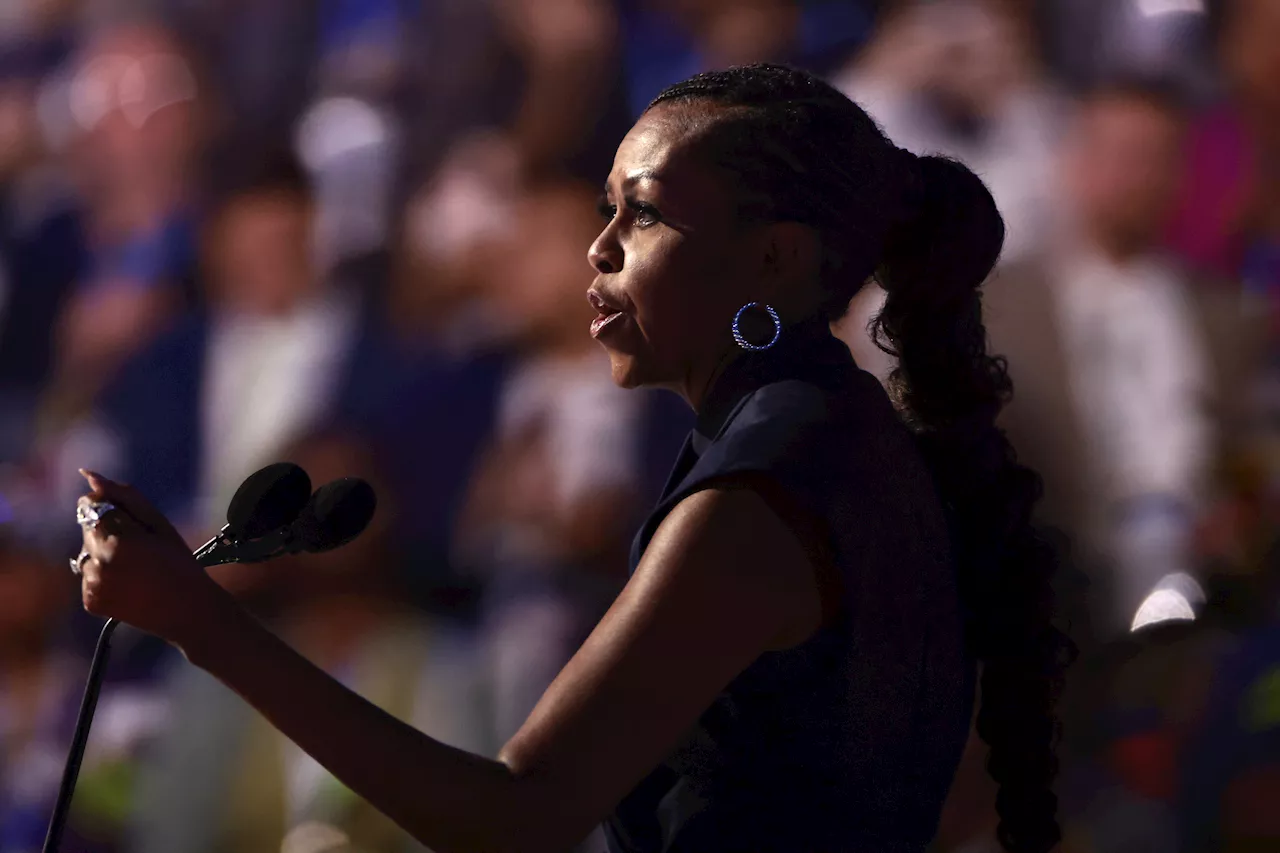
<point x="645" y="215"/>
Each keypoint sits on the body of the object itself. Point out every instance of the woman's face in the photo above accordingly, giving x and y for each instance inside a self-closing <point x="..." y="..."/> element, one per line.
<point x="673" y="263"/>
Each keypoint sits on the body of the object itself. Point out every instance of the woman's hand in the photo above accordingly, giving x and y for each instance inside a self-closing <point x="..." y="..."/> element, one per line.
<point x="140" y="571"/>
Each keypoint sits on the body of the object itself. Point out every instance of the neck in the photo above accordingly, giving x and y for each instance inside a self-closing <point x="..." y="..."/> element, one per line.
<point x="697" y="384"/>
<point x="134" y="210"/>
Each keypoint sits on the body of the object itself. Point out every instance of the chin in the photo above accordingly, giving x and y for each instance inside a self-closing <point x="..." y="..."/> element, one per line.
<point x="627" y="371"/>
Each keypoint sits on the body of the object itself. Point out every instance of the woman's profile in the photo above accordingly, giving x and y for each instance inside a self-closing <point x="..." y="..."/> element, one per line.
<point x="832" y="574"/>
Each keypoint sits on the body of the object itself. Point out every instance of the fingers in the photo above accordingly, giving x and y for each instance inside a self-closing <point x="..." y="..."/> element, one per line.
<point x="91" y="582"/>
<point x="131" y="501"/>
<point x="101" y="539"/>
<point x="77" y="562"/>
<point x="99" y="544"/>
<point x="119" y="494"/>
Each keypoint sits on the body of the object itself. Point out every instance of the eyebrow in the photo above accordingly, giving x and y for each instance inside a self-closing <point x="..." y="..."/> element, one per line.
<point x="636" y="177"/>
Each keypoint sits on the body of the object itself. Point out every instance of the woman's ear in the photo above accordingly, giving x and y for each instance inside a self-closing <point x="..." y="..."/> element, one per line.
<point x="790" y="261"/>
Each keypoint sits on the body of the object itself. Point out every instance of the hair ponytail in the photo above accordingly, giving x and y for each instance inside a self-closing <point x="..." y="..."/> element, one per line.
<point x="950" y="389"/>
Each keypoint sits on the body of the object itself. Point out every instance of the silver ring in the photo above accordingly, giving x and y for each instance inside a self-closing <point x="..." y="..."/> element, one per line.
<point x="77" y="563"/>
<point x="88" y="515"/>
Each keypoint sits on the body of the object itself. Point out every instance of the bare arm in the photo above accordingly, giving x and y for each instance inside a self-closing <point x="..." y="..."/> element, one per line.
<point x="722" y="581"/>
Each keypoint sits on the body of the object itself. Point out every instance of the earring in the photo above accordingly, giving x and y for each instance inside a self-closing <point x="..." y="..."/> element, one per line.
<point x="737" y="332"/>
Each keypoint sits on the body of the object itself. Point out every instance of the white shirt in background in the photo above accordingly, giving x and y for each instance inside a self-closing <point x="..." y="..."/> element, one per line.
<point x="1139" y="374"/>
<point x="266" y="382"/>
<point x="591" y="433"/>
<point x="1139" y="377"/>
<point x="1013" y="154"/>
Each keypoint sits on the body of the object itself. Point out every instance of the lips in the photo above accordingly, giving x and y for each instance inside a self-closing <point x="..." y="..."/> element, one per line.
<point x="600" y="323"/>
<point x="607" y="312"/>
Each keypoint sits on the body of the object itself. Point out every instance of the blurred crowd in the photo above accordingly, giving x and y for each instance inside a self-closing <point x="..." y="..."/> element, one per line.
<point x="352" y="234"/>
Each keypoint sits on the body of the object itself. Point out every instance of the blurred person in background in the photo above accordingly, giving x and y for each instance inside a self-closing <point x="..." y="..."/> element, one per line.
<point x="222" y="780"/>
<point x="489" y="118"/>
<point x="262" y="58"/>
<point x="487" y="123"/>
<point x="1228" y="228"/>
<point x="322" y="77"/>
<point x="278" y="349"/>
<point x="960" y="78"/>
<point x="501" y="68"/>
<point x="668" y="40"/>
<point x="1108" y="353"/>
<point x="546" y="521"/>
<point x="124" y="123"/>
<point x="137" y="117"/>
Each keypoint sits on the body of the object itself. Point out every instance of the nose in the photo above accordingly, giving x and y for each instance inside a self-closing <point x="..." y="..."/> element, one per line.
<point x="605" y="255"/>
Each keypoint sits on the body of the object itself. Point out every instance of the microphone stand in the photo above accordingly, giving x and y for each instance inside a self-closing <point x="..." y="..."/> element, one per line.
<point x="206" y="555"/>
<point x="84" y="720"/>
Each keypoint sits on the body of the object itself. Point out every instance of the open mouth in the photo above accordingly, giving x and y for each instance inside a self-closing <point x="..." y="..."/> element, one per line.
<point x="606" y="312"/>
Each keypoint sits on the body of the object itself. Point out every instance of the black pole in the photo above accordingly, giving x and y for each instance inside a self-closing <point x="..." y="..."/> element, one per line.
<point x="71" y="772"/>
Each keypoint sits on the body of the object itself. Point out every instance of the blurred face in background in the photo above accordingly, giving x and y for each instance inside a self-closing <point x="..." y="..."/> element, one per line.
<point x="978" y="53"/>
<point x="541" y="277"/>
<point x="1123" y="165"/>
<point x="260" y="254"/>
<point x="133" y="104"/>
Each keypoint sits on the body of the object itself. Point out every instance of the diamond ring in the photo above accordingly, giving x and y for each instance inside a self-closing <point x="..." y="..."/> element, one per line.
<point x="77" y="563"/>
<point x="88" y="515"/>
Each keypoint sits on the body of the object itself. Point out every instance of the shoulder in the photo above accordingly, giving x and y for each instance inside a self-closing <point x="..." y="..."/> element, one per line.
<point x="793" y="399"/>
<point x="796" y="418"/>
<point x="729" y="549"/>
<point x="809" y="440"/>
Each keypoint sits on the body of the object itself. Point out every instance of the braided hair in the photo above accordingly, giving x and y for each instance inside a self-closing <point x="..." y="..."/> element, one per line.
<point x="927" y="229"/>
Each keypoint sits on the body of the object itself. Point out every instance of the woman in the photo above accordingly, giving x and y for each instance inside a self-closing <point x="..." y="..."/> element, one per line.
<point x="791" y="666"/>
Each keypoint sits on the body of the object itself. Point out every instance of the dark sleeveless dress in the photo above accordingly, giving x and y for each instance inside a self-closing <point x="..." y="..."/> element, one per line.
<point x="849" y="741"/>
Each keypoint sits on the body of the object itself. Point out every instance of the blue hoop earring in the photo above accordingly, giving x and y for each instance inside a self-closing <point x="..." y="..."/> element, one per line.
<point x="737" y="332"/>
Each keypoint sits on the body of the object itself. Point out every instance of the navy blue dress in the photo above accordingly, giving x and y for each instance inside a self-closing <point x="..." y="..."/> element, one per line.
<point x="849" y="741"/>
